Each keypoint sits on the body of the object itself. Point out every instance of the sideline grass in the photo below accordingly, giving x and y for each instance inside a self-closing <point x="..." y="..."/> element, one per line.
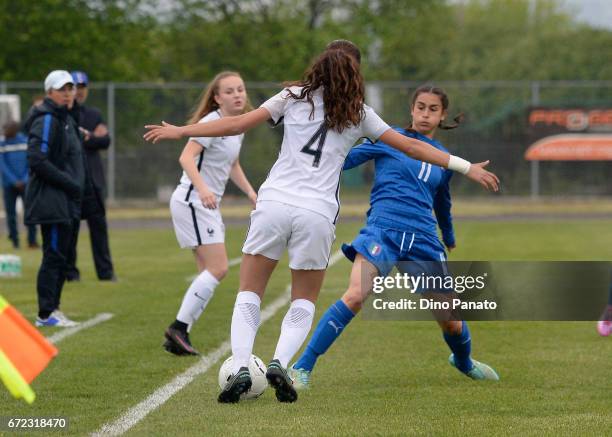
<point x="380" y="378"/>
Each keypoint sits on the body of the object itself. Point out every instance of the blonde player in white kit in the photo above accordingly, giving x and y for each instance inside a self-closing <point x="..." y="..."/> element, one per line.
<point x="297" y="207"/>
<point x="208" y="163"/>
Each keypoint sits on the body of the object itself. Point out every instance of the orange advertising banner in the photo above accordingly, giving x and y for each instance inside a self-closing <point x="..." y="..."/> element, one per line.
<point x="571" y="147"/>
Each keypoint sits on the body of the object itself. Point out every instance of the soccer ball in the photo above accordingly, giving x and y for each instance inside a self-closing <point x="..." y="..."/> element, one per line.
<point x="257" y="369"/>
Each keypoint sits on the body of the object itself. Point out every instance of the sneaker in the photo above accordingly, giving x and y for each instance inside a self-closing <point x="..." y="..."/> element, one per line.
<point x="53" y="320"/>
<point x="180" y="342"/>
<point x="238" y="384"/>
<point x="279" y="379"/>
<point x="49" y="321"/>
<point x="604" y="327"/>
<point x="480" y="371"/>
<point x="66" y="322"/>
<point x="300" y="377"/>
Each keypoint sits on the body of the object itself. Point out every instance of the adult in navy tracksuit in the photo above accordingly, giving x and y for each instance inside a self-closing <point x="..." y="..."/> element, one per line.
<point x="14" y="169"/>
<point x="54" y="192"/>
<point x="400" y="227"/>
<point x="93" y="210"/>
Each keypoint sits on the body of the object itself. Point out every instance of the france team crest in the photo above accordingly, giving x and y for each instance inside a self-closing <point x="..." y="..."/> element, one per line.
<point x="375" y="249"/>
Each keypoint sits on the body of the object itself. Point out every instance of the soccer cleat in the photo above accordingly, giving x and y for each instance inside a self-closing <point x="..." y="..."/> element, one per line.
<point x="279" y="379"/>
<point x="604" y="327"/>
<point x="171" y="348"/>
<point x="300" y="377"/>
<point x="238" y="384"/>
<point x="179" y="342"/>
<point x="480" y="371"/>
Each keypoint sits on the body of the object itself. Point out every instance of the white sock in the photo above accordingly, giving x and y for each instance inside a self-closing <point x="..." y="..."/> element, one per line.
<point x="197" y="297"/>
<point x="294" y="330"/>
<point x="245" y="322"/>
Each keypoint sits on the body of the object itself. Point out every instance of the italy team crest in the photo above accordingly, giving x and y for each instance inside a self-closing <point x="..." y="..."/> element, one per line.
<point x="375" y="249"/>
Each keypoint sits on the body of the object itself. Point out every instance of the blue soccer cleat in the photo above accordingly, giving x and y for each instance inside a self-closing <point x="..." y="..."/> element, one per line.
<point x="480" y="371"/>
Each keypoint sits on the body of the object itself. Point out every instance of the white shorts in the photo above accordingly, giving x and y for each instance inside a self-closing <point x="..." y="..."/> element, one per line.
<point x="307" y="235"/>
<point x="195" y="225"/>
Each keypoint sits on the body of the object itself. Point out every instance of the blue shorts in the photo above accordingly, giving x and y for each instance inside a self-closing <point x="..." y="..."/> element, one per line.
<point x="386" y="248"/>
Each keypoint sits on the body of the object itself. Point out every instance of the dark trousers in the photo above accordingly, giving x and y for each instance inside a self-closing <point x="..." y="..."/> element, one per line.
<point x="10" y="205"/>
<point x="98" y="235"/>
<point x="57" y="241"/>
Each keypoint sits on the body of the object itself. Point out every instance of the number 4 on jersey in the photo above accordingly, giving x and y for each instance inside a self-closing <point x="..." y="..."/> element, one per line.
<point x="320" y="135"/>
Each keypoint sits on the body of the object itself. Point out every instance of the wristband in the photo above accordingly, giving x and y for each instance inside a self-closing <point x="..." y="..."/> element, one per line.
<point x="459" y="164"/>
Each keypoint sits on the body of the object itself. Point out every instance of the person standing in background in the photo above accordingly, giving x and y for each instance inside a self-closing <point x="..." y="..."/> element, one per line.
<point x="96" y="138"/>
<point x="55" y="189"/>
<point x="14" y="170"/>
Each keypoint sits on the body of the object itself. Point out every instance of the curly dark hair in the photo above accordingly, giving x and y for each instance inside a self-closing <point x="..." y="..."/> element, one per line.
<point x="336" y="71"/>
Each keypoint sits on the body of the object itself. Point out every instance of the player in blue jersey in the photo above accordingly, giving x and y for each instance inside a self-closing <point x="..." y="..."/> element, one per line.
<point x="400" y="227"/>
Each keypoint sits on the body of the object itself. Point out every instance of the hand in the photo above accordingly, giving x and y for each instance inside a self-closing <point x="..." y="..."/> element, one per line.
<point x="485" y="178"/>
<point x="253" y="198"/>
<point x="86" y="133"/>
<point x="450" y="248"/>
<point x="166" y="131"/>
<point x="209" y="200"/>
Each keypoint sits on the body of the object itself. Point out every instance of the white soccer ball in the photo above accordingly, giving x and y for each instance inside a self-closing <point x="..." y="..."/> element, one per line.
<point x="257" y="369"/>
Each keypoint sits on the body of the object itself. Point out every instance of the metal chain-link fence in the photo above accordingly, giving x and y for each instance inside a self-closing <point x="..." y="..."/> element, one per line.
<point x="495" y="128"/>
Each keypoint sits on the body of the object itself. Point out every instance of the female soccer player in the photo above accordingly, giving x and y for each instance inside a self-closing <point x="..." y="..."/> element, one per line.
<point x="297" y="206"/>
<point x="400" y="227"/>
<point x="207" y="162"/>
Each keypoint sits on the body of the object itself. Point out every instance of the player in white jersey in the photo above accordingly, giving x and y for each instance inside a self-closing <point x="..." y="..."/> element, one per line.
<point x="324" y="115"/>
<point x="208" y="163"/>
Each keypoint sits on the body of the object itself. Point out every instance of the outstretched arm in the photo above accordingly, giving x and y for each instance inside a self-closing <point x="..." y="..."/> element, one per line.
<point x="360" y="154"/>
<point x="225" y="126"/>
<point x="422" y="151"/>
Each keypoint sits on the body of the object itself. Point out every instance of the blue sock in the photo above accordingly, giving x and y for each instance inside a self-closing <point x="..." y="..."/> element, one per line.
<point x="461" y="346"/>
<point x="330" y="326"/>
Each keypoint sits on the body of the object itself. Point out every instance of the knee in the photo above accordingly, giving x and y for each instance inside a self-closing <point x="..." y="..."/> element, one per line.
<point x="453" y="327"/>
<point x="219" y="272"/>
<point x="353" y="299"/>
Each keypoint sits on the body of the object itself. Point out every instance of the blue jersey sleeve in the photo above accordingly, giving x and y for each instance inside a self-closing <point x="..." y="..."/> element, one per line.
<point x="442" y="208"/>
<point x="361" y="153"/>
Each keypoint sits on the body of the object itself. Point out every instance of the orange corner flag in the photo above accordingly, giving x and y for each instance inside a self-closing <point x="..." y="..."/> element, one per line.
<point x="24" y="352"/>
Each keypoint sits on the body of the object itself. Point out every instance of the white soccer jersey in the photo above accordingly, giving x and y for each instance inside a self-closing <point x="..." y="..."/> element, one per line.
<point x="307" y="171"/>
<point x="214" y="162"/>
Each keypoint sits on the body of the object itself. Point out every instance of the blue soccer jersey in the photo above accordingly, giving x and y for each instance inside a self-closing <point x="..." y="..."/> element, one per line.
<point x="405" y="195"/>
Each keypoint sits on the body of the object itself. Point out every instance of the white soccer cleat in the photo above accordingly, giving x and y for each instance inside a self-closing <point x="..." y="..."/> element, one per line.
<point x="300" y="377"/>
<point x="479" y="372"/>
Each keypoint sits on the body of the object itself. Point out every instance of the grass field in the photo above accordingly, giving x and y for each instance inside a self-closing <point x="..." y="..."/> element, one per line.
<point x="388" y="378"/>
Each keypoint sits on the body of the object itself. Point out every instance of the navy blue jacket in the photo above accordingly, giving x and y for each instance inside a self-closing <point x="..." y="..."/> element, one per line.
<point x="54" y="192"/>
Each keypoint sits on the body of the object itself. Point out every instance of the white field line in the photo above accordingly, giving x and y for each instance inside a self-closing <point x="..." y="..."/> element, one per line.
<point x="232" y="262"/>
<point x="138" y="412"/>
<point x="59" y="336"/>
